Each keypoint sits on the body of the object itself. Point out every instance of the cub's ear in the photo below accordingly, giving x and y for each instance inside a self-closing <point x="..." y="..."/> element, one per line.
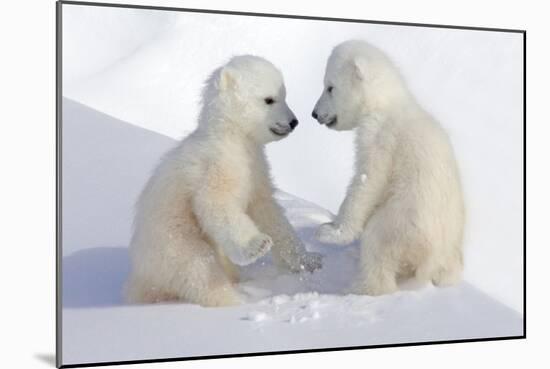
<point x="228" y="78"/>
<point x="359" y="68"/>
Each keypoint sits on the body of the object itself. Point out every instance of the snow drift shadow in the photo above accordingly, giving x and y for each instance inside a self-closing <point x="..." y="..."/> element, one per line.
<point x="95" y="277"/>
<point x="105" y="164"/>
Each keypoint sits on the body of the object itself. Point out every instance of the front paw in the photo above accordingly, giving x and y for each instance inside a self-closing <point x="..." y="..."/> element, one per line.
<point x="257" y="247"/>
<point x="311" y="261"/>
<point x="333" y="233"/>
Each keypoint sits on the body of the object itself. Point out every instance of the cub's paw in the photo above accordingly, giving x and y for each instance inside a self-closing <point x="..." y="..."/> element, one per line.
<point x="332" y="233"/>
<point x="306" y="261"/>
<point x="311" y="261"/>
<point x="256" y="248"/>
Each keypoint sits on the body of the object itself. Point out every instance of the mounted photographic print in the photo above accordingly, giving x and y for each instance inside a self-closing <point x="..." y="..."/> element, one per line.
<point x="241" y="184"/>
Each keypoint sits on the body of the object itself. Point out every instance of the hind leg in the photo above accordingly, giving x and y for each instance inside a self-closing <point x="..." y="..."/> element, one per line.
<point x="179" y="268"/>
<point x="441" y="267"/>
<point x="378" y="265"/>
<point x="206" y="289"/>
<point x="449" y="273"/>
<point x="199" y="277"/>
<point x="377" y="274"/>
<point x="140" y="290"/>
<point x="446" y="277"/>
<point x="385" y="243"/>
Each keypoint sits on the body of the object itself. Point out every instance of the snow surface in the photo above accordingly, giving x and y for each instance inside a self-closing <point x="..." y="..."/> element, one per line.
<point x="105" y="163"/>
<point x="146" y="67"/>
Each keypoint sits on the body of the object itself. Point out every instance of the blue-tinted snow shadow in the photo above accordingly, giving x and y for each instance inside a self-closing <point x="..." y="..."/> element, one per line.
<point x="95" y="277"/>
<point x="105" y="164"/>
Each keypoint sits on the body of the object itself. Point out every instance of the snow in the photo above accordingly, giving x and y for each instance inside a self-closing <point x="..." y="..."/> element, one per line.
<point x="178" y="330"/>
<point x="105" y="163"/>
<point x="257" y="316"/>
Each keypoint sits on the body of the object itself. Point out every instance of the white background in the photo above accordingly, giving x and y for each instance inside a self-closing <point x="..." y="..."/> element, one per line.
<point x="28" y="197"/>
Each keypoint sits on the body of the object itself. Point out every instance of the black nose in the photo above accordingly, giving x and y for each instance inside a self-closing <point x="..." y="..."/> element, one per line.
<point x="314" y="114"/>
<point x="293" y="123"/>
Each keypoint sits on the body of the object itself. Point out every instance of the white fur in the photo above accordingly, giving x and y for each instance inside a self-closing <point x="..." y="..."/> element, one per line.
<point x="405" y="200"/>
<point x="209" y="204"/>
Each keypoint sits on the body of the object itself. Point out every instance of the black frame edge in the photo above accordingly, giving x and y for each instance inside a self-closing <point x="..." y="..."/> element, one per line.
<point x="58" y="183"/>
<point x="290" y="352"/>
<point x="525" y="184"/>
<point x="288" y="16"/>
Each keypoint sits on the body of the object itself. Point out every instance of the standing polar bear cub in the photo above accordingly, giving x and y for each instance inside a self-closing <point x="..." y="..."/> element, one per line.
<point x="405" y="199"/>
<point x="209" y="204"/>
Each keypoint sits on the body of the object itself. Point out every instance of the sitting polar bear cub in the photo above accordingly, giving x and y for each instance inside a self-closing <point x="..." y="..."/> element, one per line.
<point x="209" y="205"/>
<point x="405" y="199"/>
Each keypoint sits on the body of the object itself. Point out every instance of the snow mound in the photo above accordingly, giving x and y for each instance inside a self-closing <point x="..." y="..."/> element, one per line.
<point x="283" y="311"/>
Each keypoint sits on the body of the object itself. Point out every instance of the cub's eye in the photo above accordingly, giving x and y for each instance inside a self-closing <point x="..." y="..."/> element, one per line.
<point x="269" y="100"/>
<point x="329" y="89"/>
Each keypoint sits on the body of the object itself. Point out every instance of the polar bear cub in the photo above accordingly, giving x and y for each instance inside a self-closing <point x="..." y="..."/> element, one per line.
<point x="405" y="200"/>
<point x="209" y="204"/>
